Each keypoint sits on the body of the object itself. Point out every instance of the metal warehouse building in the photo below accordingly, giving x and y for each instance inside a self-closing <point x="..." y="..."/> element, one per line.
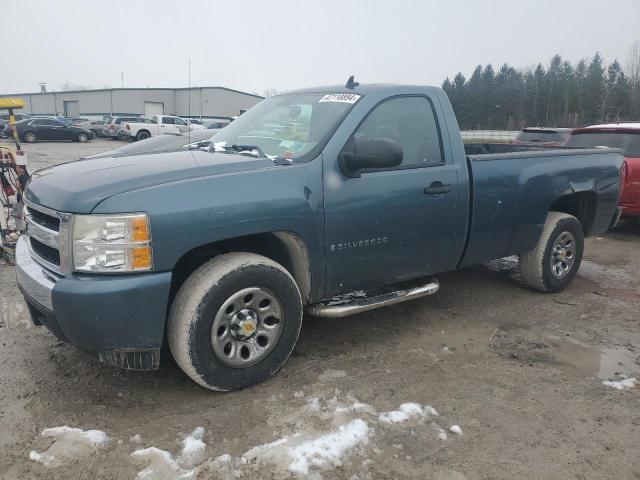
<point x="206" y="102"/>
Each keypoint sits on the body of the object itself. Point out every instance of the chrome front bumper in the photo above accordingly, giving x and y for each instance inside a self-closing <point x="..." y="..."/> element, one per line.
<point x="35" y="280"/>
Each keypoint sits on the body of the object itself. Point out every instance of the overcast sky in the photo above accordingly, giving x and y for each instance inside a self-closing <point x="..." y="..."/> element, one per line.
<point x="254" y="45"/>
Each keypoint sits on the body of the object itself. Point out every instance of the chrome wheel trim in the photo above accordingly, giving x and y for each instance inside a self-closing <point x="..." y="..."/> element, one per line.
<point x="247" y="327"/>
<point x="563" y="255"/>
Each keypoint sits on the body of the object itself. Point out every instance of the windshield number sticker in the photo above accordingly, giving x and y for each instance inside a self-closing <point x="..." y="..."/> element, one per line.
<point x="340" y="98"/>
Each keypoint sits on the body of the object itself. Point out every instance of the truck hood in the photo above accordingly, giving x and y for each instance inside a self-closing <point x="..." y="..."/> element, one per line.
<point x="77" y="187"/>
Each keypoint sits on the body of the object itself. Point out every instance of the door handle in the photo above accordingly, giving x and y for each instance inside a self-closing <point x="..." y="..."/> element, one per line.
<point x="437" y="188"/>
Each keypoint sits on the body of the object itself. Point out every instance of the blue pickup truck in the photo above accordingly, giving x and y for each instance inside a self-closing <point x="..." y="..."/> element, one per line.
<point x="333" y="200"/>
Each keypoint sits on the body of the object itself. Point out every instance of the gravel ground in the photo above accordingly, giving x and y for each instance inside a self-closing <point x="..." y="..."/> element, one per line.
<point x="518" y="371"/>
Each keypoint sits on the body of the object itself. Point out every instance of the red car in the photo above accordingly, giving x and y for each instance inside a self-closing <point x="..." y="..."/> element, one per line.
<point x="547" y="137"/>
<point x="625" y="136"/>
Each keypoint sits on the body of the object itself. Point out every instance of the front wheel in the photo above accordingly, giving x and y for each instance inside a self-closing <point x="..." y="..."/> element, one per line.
<point x="30" y="137"/>
<point x="235" y="321"/>
<point x="555" y="260"/>
<point x="82" y="137"/>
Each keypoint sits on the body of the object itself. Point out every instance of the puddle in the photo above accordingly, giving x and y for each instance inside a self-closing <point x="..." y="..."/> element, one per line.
<point x="616" y="362"/>
<point x="588" y="360"/>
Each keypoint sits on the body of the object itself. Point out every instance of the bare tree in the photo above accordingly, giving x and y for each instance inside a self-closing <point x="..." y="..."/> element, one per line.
<point x="270" y="92"/>
<point x="633" y="74"/>
<point x="66" y="87"/>
<point x="633" y="64"/>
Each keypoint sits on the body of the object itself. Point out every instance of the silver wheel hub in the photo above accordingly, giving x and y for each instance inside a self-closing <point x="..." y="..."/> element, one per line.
<point x="563" y="255"/>
<point x="247" y="327"/>
<point x="244" y="324"/>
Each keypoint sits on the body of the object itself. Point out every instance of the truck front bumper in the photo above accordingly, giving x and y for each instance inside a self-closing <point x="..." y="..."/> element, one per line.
<point x="118" y="318"/>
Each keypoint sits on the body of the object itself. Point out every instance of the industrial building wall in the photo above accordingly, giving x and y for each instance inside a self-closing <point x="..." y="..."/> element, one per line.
<point x="132" y="101"/>
<point x="226" y="103"/>
<point x="213" y="102"/>
<point x="182" y="103"/>
<point x="205" y="102"/>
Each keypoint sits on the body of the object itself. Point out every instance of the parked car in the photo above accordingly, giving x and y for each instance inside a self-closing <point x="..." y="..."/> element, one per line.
<point x="158" y="125"/>
<point x="4" y="117"/>
<point x="82" y="123"/>
<point x="160" y="143"/>
<point x="196" y="124"/>
<point x="223" y="249"/>
<point x="4" y="121"/>
<point x="216" y="124"/>
<point x="625" y="136"/>
<point x="96" y="127"/>
<point x="551" y="137"/>
<point x="43" y="128"/>
<point x="112" y="125"/>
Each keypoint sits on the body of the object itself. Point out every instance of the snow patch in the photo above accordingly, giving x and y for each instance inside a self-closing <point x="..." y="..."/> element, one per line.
<point x="626" y="384"/>
<point x="455" y="429"/>
<point x="69" y="444"/>
<point x="193" y="449"/>
<point x="407" y="411"/>
<point x="160" y="464"/>
<point x="306" y="454"/>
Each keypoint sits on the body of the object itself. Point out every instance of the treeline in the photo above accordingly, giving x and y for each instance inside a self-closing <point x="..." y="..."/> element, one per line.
<point x="560" y="95"/>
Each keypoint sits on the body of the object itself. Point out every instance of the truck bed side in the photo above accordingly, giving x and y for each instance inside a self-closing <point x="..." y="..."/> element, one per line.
<point x="513" y="192"/>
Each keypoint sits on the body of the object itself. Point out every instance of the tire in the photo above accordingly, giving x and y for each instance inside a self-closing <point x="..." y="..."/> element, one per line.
<point x="30" y="137"/>
<point x="213" y="310"/>
<point x="143" y="135"/>
<point x="555" y="260"/>
<point x="82" y="138"/>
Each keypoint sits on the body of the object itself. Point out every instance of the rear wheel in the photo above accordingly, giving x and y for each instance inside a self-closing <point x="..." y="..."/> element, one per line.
<point x="235" y="321"/>
<point x="143" y="135"/>
<point x="30" y="137"/>
<point x="555" y="260"/>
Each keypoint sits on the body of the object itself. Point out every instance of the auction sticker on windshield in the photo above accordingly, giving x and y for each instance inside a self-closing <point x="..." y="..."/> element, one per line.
<point x="340" y="97"/>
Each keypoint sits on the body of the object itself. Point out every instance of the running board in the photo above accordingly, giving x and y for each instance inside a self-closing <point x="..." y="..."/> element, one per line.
<point x="360" y="301"/>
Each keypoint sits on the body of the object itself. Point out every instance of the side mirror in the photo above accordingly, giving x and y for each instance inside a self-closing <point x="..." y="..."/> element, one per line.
<point x="371" y="154"/>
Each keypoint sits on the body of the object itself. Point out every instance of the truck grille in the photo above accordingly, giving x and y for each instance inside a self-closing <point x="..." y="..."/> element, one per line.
<point x="48" y="233"/>
<point x="52" y="223"/>
<point x="50" y="254"/>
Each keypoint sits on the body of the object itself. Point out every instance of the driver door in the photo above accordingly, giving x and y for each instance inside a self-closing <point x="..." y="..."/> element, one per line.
<point x="393" y="224"/>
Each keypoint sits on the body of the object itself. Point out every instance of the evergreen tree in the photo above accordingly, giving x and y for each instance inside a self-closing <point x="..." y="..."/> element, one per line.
<point x="560" y="95"/>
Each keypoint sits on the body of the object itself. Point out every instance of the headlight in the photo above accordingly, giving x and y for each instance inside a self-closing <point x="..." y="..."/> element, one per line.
<point x="111" y="243"/>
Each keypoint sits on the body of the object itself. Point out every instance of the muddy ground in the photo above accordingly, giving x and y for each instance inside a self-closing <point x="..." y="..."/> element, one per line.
<point x="519" y="371"/>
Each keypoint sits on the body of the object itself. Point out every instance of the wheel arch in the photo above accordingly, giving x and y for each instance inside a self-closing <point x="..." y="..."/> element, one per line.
<point x="284" y="247"/>
<point x="143" y="130"/>
<point x="581" y="205"/>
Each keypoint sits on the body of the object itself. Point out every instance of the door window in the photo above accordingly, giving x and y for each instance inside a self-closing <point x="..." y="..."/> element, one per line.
<point x="409" y="121"/>
<point x="179" y="121"/>
<point x="168" y="121"/>
<point x="44" y="121"/>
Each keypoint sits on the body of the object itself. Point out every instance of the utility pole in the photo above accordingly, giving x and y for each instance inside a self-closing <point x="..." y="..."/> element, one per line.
<point x="122" y="79"/>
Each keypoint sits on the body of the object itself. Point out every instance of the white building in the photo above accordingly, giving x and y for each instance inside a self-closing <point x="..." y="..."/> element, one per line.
<point x="195" y="102"/>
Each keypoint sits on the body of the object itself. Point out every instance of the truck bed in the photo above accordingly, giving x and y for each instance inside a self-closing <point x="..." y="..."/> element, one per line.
<point x="512" y="191"/>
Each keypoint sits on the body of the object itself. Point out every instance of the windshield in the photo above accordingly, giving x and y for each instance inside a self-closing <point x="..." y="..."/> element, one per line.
<point x="542" y="136"/>
<point x="286" y="126"/>
<point x="627" y="141"/>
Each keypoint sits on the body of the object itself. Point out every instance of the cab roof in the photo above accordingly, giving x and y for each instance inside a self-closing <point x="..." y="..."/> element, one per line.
<point x="362" y="89"/>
